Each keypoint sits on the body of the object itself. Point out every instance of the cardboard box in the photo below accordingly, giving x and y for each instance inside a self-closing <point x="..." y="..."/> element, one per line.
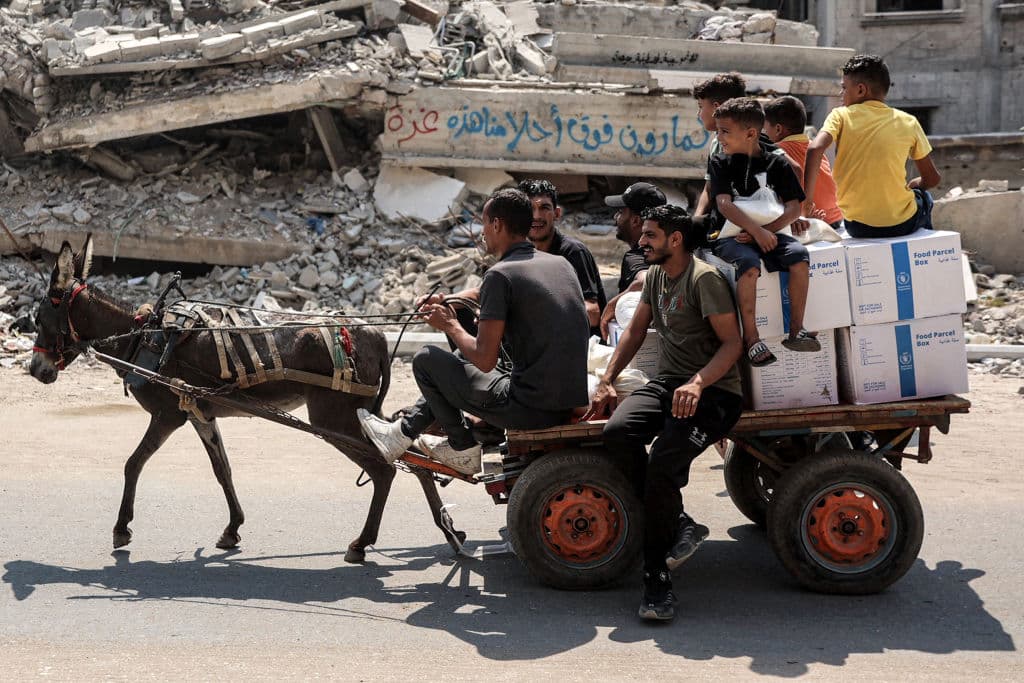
<point x="795" y="380"/>
<point x="646" y="358"/>
<point x="828" y="296"/>
<point x="903" y="278"/>
<point x="902" y="360"/>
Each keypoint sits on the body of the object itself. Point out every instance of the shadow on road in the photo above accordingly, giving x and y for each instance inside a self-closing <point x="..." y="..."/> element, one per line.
<point x="735" y="602"/>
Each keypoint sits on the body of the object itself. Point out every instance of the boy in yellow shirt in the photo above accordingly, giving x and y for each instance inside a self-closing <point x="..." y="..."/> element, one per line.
<point x="873" y="142"/>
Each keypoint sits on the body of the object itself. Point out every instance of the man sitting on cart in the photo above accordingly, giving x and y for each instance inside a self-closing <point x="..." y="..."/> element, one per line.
<point x="530" y="299"/>
<point x="693" y="400"/>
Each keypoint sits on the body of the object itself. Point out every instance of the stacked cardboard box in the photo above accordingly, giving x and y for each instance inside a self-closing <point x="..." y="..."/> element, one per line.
<point x="907" y="338"/>
<point x="887" y="315"/>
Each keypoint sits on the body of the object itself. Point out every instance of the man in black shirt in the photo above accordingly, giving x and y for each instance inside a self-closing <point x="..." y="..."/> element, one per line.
<point x="631" y="204"/>
<point x="529" y="299"/>
<point x="547" y="238"/>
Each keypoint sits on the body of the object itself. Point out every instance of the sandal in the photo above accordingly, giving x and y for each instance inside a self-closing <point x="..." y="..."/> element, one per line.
<point x="802" y="341"/>
<point x="760" y="355"/>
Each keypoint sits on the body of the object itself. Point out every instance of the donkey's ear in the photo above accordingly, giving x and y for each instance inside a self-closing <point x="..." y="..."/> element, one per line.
<point x="64" y="271"/>
<point x="83" y="259"/>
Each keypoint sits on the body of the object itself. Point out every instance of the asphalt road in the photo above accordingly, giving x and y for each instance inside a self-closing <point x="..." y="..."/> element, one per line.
<point x="286" y="605"/>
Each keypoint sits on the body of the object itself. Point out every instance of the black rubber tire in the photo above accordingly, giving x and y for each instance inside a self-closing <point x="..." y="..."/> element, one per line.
<point x="528" y="507"/>
<point x="750" y="484"/>
<point x="806" y="483"/>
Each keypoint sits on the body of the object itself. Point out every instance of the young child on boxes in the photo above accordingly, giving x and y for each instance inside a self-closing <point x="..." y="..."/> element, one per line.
<point x="709" y="95"/>
<point x="742" y="168"/>
<point x="784" y="121"/>
<point x="873" y="142"/>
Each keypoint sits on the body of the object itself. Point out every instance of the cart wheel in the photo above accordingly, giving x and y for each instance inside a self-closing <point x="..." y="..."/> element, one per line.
<point x="574" y="520"/>
<point x="750" y="483"/>
<point x="845" y="522"/>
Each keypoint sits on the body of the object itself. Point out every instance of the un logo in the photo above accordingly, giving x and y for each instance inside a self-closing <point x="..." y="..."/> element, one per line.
<point x="903" y="277"/>
<point x="906" y="358"/>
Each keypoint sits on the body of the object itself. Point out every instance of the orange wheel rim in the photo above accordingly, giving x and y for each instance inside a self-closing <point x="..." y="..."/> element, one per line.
<point x="582" y="525"/>
<point x="848" y="527"/>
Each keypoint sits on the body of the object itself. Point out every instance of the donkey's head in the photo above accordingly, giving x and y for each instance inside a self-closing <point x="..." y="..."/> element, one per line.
<point x="57" y="341"/>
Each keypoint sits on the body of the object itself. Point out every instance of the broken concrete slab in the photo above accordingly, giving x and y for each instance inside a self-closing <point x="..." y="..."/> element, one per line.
<point x="102" y="53"/>
<point x="355" y="181"/>
<point x="484" y="181"/>
<point x="698" y="55"/>
<point x="162" y="247"/>
<point x="179" y="42"/>
<point x="261" y="33"/>
<point x="246" y="102"/>
<point x="524" y="16"/>
<point x="418" y="194"/>
<point x="301" y="22"/>
<point x="989" y="225"/>
<point x="418" y="39"/>
<point x="113" y="62"/>
<point x="138" y="50"/>
<point x="221" y="46"/>
<point x="533" y="59"/>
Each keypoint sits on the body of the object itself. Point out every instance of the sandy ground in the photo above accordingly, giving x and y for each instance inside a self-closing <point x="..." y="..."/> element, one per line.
<point x="286" y="605"/>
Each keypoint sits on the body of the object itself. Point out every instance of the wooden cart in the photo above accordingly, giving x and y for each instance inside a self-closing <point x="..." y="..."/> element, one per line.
<point x="824" y="482"/>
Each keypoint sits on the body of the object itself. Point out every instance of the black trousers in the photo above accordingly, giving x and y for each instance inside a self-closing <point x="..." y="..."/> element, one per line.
<point x="660" y="475"/>
<point x="451" y="384"/>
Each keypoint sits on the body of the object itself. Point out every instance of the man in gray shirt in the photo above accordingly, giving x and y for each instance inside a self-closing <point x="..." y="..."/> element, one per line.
<point x="530" y="299"/>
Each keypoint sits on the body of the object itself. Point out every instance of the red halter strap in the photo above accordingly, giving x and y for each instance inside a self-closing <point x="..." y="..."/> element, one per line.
<point x="72" y="332"/>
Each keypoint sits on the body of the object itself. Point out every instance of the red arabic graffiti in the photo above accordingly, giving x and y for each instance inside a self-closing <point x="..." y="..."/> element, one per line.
<point x="411" y="123"/>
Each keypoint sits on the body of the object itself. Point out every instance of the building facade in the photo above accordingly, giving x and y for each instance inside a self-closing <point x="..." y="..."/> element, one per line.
<point x="958" y="65"/>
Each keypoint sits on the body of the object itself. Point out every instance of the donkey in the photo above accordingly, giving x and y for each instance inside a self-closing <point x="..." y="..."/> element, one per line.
<point x="74" y="314"/>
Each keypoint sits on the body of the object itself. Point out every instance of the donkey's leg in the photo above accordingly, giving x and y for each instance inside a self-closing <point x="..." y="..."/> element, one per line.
<point x="161" y="426"/>
<point x="210" y="434"/>
<point x="441" y="518"/>
<point x="382" y="475"/>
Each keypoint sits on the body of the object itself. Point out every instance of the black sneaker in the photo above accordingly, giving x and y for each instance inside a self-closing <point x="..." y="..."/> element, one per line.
<point x="690" y="536"/>
<point x="658" y="601"/>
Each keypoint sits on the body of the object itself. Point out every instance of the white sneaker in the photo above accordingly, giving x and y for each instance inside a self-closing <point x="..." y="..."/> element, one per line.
<point x="386" y="436"/>
<point x="437" y="447"/>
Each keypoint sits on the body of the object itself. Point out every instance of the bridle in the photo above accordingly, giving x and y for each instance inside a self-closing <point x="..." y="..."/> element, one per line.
<point x="67" y="328"/>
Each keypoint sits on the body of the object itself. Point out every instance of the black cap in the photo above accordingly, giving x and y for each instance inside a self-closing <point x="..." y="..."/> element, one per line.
<point x="637" y="197"/>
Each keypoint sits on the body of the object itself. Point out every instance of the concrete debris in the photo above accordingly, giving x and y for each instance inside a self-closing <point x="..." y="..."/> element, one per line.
<point x="355" y="181"/>
<point x="417" y="194"/>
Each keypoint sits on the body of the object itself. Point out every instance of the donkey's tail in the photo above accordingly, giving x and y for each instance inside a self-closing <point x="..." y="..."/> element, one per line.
<point x="385" y="383"/>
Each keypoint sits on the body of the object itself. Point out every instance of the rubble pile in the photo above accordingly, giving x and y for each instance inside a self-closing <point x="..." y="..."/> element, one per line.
<point x="20" y="74"/>
<point x="102" y="44"/>
<point x="229" y="183"/>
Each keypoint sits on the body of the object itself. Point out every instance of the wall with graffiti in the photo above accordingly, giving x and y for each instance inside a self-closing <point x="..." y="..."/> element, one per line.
<point x="536" y="126"/>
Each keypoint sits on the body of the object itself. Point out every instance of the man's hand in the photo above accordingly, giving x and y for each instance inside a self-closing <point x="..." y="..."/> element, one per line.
<point x="765" y="239"/>
<point x="439" y="316"/>
<point x="604" y="402"/>
<point x="799" y="227"/>
<point x="425" y="301"/>
<point x="607" y="315"/>
<point x="685" y="399"/>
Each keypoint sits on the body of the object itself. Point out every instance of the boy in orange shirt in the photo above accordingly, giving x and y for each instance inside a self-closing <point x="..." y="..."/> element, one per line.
<point x="784" y="121"/>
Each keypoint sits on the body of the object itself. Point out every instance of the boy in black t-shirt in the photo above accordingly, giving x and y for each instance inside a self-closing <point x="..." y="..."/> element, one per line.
<point x="735" y="173"/>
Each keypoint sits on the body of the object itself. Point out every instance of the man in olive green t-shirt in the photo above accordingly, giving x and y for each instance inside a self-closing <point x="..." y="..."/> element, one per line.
<point x="693" y="400"/>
